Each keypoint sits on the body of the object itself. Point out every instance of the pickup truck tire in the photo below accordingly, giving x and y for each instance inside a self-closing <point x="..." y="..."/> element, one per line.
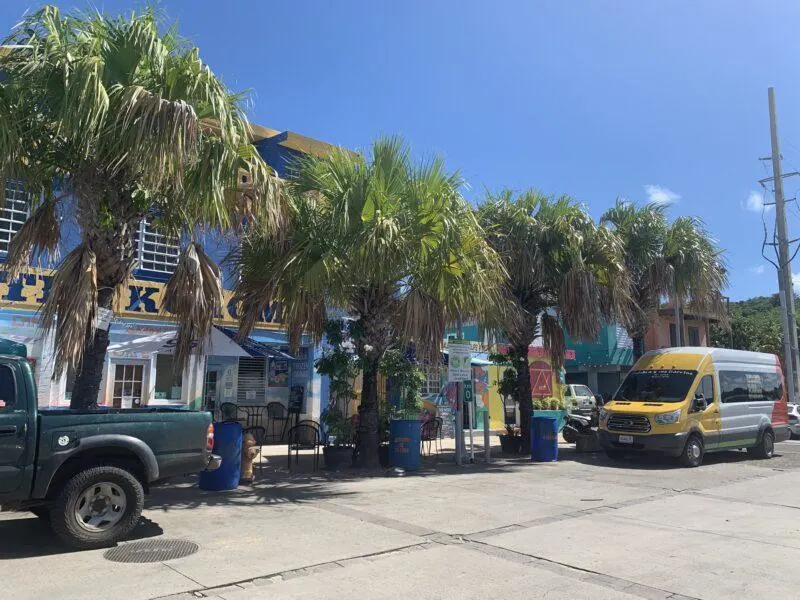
<point x="97" y="507"/>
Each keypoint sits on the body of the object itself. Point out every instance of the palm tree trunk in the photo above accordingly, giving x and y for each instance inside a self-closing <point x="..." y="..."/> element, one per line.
<point x="368" y="434"/>
<point x="524" y="395"/>
<point x="88" y="378"/>
<point x="638" y="347"/>
<point x="115" y="259"/>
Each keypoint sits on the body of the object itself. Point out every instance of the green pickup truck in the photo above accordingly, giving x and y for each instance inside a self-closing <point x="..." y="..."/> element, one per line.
<point x="87" y="472"/>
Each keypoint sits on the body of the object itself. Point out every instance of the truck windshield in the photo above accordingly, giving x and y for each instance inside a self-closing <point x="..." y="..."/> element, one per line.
<point x="656" y="385"/>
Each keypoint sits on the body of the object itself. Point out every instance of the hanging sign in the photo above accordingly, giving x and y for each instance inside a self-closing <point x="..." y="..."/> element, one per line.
<point x="459" y="361"/>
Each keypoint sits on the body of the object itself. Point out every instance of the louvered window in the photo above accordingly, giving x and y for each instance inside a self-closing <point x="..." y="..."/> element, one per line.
<point x="252" y="381"/>
<point x="16" y="210"/>
<point x="157" y="251"/>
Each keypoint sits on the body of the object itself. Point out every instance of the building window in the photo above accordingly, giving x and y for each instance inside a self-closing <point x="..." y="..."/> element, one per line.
<point x="673" y="335"/>
<point x="128" y="386"/>
<point x="16" y="210"/>
<point x="433" y="380"/>
<point x="252" y="381"/>
<point x="157" y="251"/>
<point x="694" y="336"/>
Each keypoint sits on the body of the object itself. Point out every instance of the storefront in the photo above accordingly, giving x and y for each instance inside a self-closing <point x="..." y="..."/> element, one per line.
<point x="139" y="369"/>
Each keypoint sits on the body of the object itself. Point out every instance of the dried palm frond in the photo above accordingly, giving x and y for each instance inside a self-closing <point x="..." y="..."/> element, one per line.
<point x="421" y="320"/>
<point x="579" y="304"/>
<point x="40" y="234"/>
<point x="193" y="295"/>
<point x="553" y="339"/>
<point x="71" y="306"/>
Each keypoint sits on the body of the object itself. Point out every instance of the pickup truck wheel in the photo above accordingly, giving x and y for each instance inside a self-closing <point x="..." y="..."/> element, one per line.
<point x="97" y="507"/>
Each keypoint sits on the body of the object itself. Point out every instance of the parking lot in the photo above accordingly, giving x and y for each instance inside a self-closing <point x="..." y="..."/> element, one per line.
<point x="585" y="527"/>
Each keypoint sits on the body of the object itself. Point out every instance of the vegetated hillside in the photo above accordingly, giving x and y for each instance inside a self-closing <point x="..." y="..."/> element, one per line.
<point x="755" y="325"/>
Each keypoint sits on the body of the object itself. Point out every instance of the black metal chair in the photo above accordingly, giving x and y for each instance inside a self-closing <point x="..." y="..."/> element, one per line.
<point x="305" y="435"/>
<point x="276" y="413"/>
<point x="432" y="435"/>
<point x="259" y="435"/>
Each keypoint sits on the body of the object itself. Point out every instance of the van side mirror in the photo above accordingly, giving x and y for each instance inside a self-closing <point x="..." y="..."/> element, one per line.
<point x="700" y="403"/>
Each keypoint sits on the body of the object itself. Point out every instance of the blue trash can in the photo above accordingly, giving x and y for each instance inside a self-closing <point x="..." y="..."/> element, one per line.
<point x="227" y="444"/>
<point x="404" y="443"/>
<point x="544" y="439"/>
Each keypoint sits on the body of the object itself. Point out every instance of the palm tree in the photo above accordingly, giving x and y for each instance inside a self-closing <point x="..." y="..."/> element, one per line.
<point x="562" y="270"/>
<point x="107" y="122"/>
<point x="392" y="243"/>
<point x="678" y="260"/>
<point x="643" y="231"/>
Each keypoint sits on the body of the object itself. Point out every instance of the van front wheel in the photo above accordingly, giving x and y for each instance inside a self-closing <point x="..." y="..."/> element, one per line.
<point x="693" y="452"/>
<point x="765" y="449"/>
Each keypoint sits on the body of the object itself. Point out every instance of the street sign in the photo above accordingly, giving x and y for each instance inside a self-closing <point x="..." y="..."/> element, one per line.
<point x="468" y="392"/>
<point x="459" y="360"/>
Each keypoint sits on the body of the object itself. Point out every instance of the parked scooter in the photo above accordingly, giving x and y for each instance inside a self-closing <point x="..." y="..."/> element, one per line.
<point x="577" y="426"/>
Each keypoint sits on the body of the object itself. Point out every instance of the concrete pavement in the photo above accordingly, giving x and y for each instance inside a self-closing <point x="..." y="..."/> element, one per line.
<point x="585" y="527"/>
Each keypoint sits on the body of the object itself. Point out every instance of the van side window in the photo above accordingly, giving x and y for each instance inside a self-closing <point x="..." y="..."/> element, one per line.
<point x="8" y="391"/>
<point x="706" y="388"/>
<point x="773" y="386"/>
<point x="747" y="386"/>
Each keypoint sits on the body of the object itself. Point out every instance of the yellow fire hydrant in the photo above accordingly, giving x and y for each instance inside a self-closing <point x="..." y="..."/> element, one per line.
<point x="249" y="453"/>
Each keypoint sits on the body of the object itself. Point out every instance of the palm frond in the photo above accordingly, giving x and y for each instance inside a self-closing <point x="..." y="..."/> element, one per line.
<point x="193" y="295"/>
<point x="579" y="303"/>
<point x="553" y="339"/>
<point x="39" y="235"/>
<point x="71" y="306"/>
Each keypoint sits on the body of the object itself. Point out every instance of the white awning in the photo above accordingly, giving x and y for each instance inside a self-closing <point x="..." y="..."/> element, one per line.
<point x="219" y="344"/>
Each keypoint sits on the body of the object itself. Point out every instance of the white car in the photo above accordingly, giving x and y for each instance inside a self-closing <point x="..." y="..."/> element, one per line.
<point x="579" y="399"/>
<point x="794" y="420"/>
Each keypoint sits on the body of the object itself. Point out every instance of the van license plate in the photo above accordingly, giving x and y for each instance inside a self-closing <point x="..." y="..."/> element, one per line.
<point x="626" y="439"/>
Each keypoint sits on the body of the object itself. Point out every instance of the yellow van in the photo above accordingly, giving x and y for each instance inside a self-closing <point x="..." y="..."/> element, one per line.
<point x="687" y="401"/>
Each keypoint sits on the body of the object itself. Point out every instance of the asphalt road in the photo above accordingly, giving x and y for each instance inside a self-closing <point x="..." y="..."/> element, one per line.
<point x="584" y="527"/>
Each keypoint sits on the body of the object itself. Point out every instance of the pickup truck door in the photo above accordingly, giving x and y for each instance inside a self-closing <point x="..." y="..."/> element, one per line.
<point x="13" y="433"/>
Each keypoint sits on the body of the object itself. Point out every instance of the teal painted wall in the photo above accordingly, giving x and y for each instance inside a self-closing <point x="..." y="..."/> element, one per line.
<point x="612" y="347"/>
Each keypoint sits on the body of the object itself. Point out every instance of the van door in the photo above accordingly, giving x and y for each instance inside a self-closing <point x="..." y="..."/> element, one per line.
<point x="13" y="430"/>
<point x="708" y="420"/>
<point x="743" y="407"/>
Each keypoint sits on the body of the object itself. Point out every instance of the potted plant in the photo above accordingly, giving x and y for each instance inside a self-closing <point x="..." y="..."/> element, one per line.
<point x="511" y="441"/>
<point x="338" y="425"/>
<point x="339" y="435"/>
<point x="550" y="407"/>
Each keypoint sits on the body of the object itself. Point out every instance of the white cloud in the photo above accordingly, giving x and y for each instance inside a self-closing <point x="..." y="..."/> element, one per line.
<point x="796" y="282"/>
<point x="755" y="202"/>
<point x="661" y="195"/>
<point x="759" y="270"/>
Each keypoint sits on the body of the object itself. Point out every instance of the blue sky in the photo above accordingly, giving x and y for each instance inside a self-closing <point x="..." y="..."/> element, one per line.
<point x="596" y="99"/>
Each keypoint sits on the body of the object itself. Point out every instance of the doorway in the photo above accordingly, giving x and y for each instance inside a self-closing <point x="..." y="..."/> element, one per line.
<point x="128" y="385"/>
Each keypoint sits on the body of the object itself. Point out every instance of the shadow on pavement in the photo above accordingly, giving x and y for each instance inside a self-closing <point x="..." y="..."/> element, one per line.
<point x="647" y="462"/>
<point x="27" y="537"/>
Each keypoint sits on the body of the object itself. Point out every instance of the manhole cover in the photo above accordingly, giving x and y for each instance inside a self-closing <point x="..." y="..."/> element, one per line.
<point x="148" y="551"/>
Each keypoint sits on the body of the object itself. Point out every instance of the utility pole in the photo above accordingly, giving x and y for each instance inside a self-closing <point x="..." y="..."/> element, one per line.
<point x="784" y="267"/>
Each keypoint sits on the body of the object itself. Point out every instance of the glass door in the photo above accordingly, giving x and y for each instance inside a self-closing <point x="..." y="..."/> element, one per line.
<point x="128" y="385"/>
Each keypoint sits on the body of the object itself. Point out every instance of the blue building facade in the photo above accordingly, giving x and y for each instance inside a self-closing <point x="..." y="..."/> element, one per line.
<point x="138" y="368"/>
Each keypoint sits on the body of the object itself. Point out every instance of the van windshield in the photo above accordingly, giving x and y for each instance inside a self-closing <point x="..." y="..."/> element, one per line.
<point x="656" y="386"/>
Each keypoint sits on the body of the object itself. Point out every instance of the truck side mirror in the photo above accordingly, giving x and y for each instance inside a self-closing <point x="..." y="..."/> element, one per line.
<point x="700" y="403"/>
